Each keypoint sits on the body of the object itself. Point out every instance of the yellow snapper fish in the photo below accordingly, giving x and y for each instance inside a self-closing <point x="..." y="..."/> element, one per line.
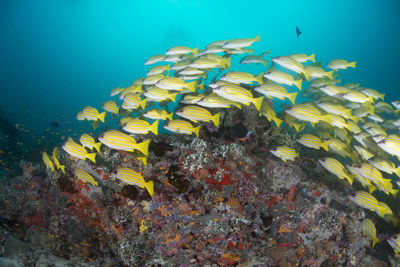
<point x="79" y="116"/>
<point x="365" y="200"/>
<point x="138" y="126"/>
<point x="154" y="59"/>
<point x="158" y="95"/>
<point x="91" y="114"/>
<point x="269" y="113"/>
<point x="133" y="101"/>
<point x="336" y="168"/>
<point x="215" y="101"/>
<point x="303" y="57"/>
<point x="56" y="156"/>
<point x="312" y="141"/>
<point x="117" y="140"/>
<point x="307" y="112"/>
<point x="158" y="70"/>
<point x="358" y="97"/>
<point x="291" y="121"/>
<point x="353" y="127"/>
<point x="394" y="242"/>
<point x="363" y="152"/>
<point x="116" y="91"/>
<point x="129" y="176"/>
<point x="384" y="165"/>
<point x="319" y="82"/>
<point x="317" y="72"/>
<point x="292" y="64"/>
<point x="336" y="108"/>
<point x="333" y="90"/>
<point x="131" y="90"/>
<point x="192" y="71"/>
<point x="285" y="153"/>
<point x="342" y="134"/>
<point x="337" y="121"/>
<point x="78" y="151"/>
<point x="85" y="177"/>
<point x="158" y="114"/>
<point x="111" y="106"/>
<point x="255" y="59"/>
<point x="238" y="94"/>
<point x="181" y="126"/>
<point x="241" y="77"/>
<point x="371" y="173"/>
<point x="47" y="161"/>
<point x="340" y="64"/>
<point x="271" y="89"/>
<point x="282" y="78"/>
<point x="180" y="50"/>
<point x="209" y="63"/>
<point x="174" y="83"/>
<point x="364" y="182"/>
<point x="339" y="147"/>
<point x="181" y="65"/>
<point x="369" y="230"/>
<point x="192" y="98"/>
<point x="240" y="43"/>
<point x="391" y="145"/>
<point x="153" y="79"/>
<point x="196" y="114"/>
<point x="385" y="107"/>
<point x="371" y="92"/>
<point x="88" y="142"/>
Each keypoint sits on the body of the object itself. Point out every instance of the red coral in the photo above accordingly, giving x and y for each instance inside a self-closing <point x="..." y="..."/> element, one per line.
<point x="291" y="195"/>
<point x="35" y="219"/>
<point x="226" y="180"/>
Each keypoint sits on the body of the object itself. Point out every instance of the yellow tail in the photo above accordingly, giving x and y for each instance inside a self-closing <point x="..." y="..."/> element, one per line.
<point x="292" y="97"/>
<point x="143" y="147"/>
<point x="257" y="38"/>
<point x="102" y="116"/>
<point x="325" y="145"/>
<point x="277" y="121"/>
<point x="258" y="102"/>
<point x="227" y="63"/>
<point x="374" y="241"/>
<point x="259" y="78"/>
<point x="330" y="74"/>
<point x="169" y="116"/>
<point x="172" y="97"/>
<point x="143" y="159"/>
<point x="350" y="179"/>
<point x="307" y="74"/>
<point x="312" y="57"/>
<point x="394" y="192"/>
<point x="91" y="156"/>
<point x="382" y="96"/>
<point x="143" y="103"/>
<point x="201" y="86"/>
<point x="117" y="111"/>
<point x="191" y="86"/>
<point x="264" y="62"/>
<point x="196" y="130"/>
<point x="352" y="64"/>
<point x="97" y="146"/>
<point x="154" y="128"/>
<point x="215" y="119"/>
<point x="195" y="50"/>
<point x="397" y="171"/>
<point x="298" y="83"/>
<point x="62" y="167"/>
<point x="371" y="188"/>
<point x="149" y="187"/>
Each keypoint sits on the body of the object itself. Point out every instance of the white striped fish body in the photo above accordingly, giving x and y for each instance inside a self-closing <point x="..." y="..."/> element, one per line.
<point x="158" y="95"/>
<point x="364" y="153"/>
<point x="197" y="113"/>
<point x="368" y="228"/>
<point x="337" y="146"/>
<point x="271" y="89"/>
<point x="116" y="91"/>
<point x="154" y="59"/>
<point x="358" y="97"/>
<point x="365" y="200"/>
<point x="369" y="172"/>
<point x="117" y="140"/>
<point x="240" y="43"/>
<point x="269" y="113"/>
<point x="174" y="83"/>
<point x="158" y="114"/>
<point x="158" y="70"/>
<point x="129" y="176"/>
<point x="181" y="65"/>
<point x="152" y="79"/>
<point x="291" y="64"/>
<point x="111" y="107"/>
<point x="238" y="94"/>
<point x="391" y="145"/>
<point x="180" y="50"/>
<point x="394" y="242"/>
<point x="305" y="112"/>
<point x="133" y="101"/>
<point x="88" y="141"/>
<point x="138" y="126"/>
<point x="192" y="98"/>
<point x="91" y="114"/>
<point x="77" y="150"/>
<point x="215" y="101"/>
<point x="333" y="90"/>
<point x="312" y="141"/>
<point x="384" y="165"/>
<point x="285" y="153"/>
<point x="242" y="77"/>
<point x="282" y="78"/>
<point x="131" y="90"/>
<point x="85" y="177"/>
<point x="303" y="57"/>
<point x="317" y="72"/>
<point x="181" y="126"/>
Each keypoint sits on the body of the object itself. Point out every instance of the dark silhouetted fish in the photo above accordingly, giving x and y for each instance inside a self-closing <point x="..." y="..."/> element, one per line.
<point x="55" y="124"/>
<point x="298" y="32"/>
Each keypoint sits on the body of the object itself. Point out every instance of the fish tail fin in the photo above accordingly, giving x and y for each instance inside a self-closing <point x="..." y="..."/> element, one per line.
<point x="394" y="192"/>
<point x="371" y="188"/>
<point x="397" y="171"/>
<point x="91" y="156"/>
<point x="149" y="187"/>
<point x="355" y="119"/>
<point x="307" y="74"/>
<point x="102" y="116"/>
<point x="330" y="74"/>
<point x="195" y="50"/>
<point x="143" y="103"/>
<point x="249" y="50"/>
<point x="264" y="62"/>
<point x="298" y="83"/>
<point x="371" y="99"/>
<point x="324" y="145"/>
<point x="169" y="116"/>
<point x="237" y="105"/>
<point x="352" y="64"/>
<point x="257" y="38"/>
<point x="312" y="57"/>
<point x="227" y="63"/>
<point x="139" y="89"/>
<point x="215" y="119"/>
<point x="371" y="108"/>
<point x="350" y="179"/>
<point x="353" y="156"/>
<point x="292" y="97"/>
<point x="168" y="67"/>
<point x="154" y="128"/>
<point x="117" y="111"/>
<point x="62" y="168"/>
<point x="297" y="127"/>
<point x="374" y="241"/>
<point x="143" y="159"/>
<point x="172" y="97"/>
<point x="258" y="102"/>
<point x="382" y="96"/>
<point x="196" y="130"/>
<point x="201" y="86"/>
<point x="143" y="147"/>
<point x="192" y="86"/>
<point x="97" y="146"/>
<point x="277" y="121"/>
<point x="259" y="78"/>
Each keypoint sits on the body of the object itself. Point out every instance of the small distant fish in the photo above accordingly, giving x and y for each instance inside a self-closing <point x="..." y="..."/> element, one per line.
<point x="85" y="177"/>
<point x="111" y="106"/>
<point x="285" y="153"/>
<point x="131" y="177"/>
<point x="298" y="32"/>
<point x="55" y="124"/>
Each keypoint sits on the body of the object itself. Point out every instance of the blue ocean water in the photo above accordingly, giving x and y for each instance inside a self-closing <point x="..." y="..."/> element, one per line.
<point x="58" y="56"/>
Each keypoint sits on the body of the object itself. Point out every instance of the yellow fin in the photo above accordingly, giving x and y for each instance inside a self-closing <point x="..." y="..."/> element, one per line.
<point x="215" y="119"/>
<point x="149" y="187"/>
<point x="143" y="147"/>
<point x="102" y="116"/>
<point x="91" y="156"/>
<point x="196" y="130"/>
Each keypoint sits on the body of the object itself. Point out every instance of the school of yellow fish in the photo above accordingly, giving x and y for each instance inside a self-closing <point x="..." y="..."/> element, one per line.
<point x="348" y="121"/>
